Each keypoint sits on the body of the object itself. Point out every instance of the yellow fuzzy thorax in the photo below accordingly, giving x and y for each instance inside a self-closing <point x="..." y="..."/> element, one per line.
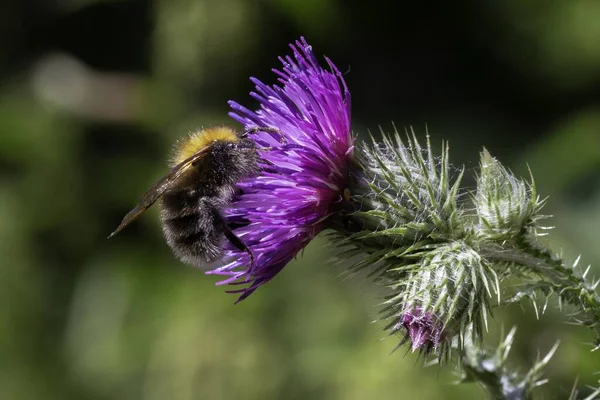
<point x="200" y="139"/>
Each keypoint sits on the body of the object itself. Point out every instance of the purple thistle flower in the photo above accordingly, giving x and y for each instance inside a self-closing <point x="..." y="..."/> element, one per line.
<point x="425" y="330"/>
<point x="281" y="210"/>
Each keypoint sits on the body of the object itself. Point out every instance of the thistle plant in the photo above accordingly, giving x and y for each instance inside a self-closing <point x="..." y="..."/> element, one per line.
<point x="395" y="208"/>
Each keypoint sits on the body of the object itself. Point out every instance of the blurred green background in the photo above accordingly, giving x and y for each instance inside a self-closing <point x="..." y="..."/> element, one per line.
<point x="92" y="95"/>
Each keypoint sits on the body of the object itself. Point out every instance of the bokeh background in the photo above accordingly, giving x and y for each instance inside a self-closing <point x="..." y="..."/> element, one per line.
<point x="93" y="94"/>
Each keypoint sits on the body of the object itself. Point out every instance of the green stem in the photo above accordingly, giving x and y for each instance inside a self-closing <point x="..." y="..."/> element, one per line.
<point x="489" y="370"/>
<point x="482" y="368"/>
<point x="570" y="286"/>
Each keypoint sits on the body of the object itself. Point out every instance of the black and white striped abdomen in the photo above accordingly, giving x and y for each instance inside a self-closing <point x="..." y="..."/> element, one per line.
<point x="193" y="226"/>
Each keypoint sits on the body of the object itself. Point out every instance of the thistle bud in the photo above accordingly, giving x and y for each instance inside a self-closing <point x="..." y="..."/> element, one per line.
<point x="446" y="294"/>
<point x="505" y="204"/>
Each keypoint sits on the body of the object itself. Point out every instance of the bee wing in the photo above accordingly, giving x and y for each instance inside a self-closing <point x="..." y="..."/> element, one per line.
<point x="159" y="188"/>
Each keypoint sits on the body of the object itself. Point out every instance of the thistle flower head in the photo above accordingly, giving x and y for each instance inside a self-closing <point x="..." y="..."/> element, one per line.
<point x="280" y="211"/>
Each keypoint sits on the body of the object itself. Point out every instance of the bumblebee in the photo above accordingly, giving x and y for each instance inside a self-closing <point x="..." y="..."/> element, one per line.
<point x="205" y="170"/>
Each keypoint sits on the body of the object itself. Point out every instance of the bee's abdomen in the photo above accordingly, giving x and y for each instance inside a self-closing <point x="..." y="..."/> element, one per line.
<point x="193" y="226"/>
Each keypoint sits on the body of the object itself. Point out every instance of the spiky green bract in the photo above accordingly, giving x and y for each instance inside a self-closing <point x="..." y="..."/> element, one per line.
<point x="406" y="221"/>
<point x="505" y="204"/>
<point x="490" y="370"/>
<point x="403" y="200"/>
<point x="406" y="192"/>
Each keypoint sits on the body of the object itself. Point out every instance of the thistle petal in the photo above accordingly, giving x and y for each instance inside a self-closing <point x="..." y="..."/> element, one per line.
<point x="280" y="211"/>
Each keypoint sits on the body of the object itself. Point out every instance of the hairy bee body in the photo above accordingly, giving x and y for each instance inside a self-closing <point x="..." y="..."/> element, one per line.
<point x="205" y="170"/>
<point x="191" y="211"/>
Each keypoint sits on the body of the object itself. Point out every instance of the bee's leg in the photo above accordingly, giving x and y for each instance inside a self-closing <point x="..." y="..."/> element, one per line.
<point x="256" y="129"/>
<point x="271" y="129"/>
<point x="286" y="147"/>
<point x="267" y="162"/>
<point x="238" y="243"/>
